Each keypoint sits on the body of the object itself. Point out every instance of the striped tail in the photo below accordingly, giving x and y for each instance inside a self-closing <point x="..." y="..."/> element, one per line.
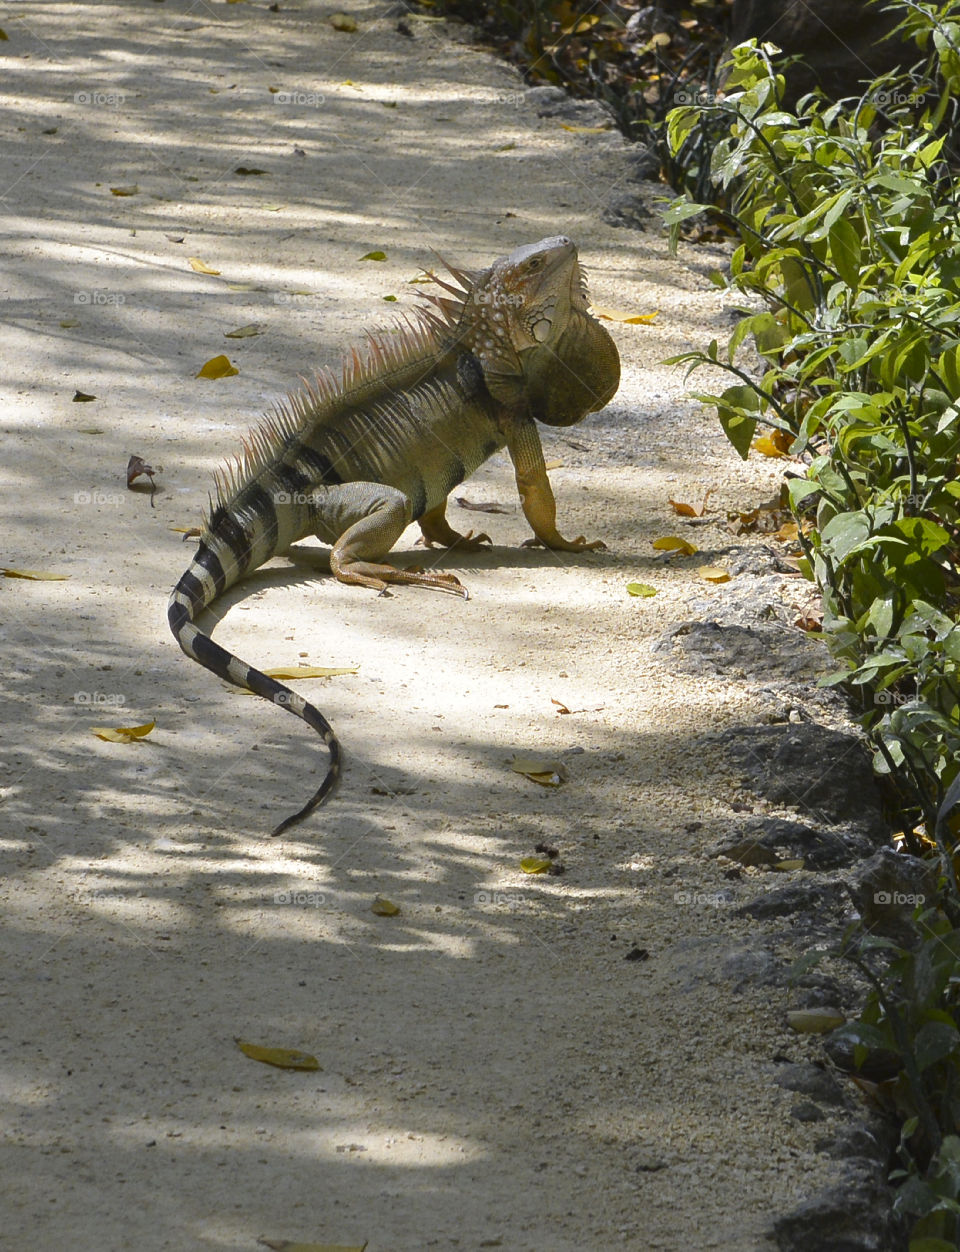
<point x="186" y="601"/>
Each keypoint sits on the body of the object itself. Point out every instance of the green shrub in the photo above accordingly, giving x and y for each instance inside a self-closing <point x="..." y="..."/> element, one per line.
<point x="849" y="259"/>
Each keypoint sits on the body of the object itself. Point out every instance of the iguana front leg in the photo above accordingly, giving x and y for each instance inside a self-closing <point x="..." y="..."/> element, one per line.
<point x="437" y="530"/>
<point x="536" y="495"/>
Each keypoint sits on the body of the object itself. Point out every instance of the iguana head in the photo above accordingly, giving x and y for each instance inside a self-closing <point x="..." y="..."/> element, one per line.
<point x="526" y="320"/>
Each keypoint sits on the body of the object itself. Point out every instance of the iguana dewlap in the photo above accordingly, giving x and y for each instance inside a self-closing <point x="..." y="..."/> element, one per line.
<point x="353" y="460"/>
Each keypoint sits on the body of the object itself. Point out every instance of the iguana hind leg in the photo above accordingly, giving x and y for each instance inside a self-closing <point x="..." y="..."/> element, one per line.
<point x="374" y="517"/>
<point x="437" y="530"/>
<point x="536" y="494"/>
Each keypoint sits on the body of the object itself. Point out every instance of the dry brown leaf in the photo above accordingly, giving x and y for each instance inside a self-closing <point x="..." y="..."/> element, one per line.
<point x="481" y="506"/>
<point x="342" y="21"/>
<point x="82" y="397"/>
<point x="137" y="466"/>
<point x="688" y="510"/>
<point x="809" y="619"/>
<point x="131" y="190"/>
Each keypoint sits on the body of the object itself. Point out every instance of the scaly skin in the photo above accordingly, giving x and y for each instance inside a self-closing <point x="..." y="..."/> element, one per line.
<point x="355" y="460"/>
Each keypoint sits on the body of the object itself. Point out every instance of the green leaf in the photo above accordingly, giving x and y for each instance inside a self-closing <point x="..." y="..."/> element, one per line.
<point x="934" y="1041"/>
<point x="845" y="251"/>
<point x="734" y="408"/>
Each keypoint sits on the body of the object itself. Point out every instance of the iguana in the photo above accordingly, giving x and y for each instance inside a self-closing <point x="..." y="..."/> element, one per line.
<point x="353" y="460"/>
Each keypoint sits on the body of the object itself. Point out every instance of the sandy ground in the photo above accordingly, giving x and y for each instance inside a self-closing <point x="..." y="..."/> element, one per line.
<point x="493" y="1073"/>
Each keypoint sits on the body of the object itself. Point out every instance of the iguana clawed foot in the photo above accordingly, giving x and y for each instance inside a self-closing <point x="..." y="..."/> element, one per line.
<point x="437" y="532"/>
<point x="466" y="543"/>
<point x="566" y="545"/>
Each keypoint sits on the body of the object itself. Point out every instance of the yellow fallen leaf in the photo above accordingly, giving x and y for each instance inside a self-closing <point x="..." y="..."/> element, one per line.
<point x="629" y="319"/>
<point x="201" y="267"/>
<point x="766" y="447"/>
<point x="342" y="21"/>
<point x="535" y="865"/>
<point x="310" y="671"/>
<point x="556" y="463"/>
<point x="131" y="190"/>
<point x="641" y="589"/>
<point x="218" y="367"/>
<point x="384" y="907"/>
<point x="68" y="323"/>
<point x="580" y="24"/>
<point x="282" y="1058"/>
<point x="243" y="332"/>
<point x="122" y="734"/>
<point x="714" y="574"/>
<point x="777" y="443"/>
<point x="288" y="672"/>
<point x="374" y="256"/>
<point x="34" y="575"/>
<point x="673" y="543"/>
<point x="547" y="771"/>
<point x="688" y="510"/>
<point x="786" y="866"/>
<point x="814" y="1021"/>
<point x="185" y="530"/>
<point x="585" y="130"/>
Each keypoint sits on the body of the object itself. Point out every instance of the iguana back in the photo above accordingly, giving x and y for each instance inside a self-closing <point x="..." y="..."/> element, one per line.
<point x="354" y="460"/>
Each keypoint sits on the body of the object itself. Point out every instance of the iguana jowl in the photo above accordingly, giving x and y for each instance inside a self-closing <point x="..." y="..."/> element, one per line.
<point x="354" y="460"/>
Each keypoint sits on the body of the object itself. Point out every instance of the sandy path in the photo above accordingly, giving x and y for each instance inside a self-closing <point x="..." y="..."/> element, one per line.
<point x="494" y="1072"/>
